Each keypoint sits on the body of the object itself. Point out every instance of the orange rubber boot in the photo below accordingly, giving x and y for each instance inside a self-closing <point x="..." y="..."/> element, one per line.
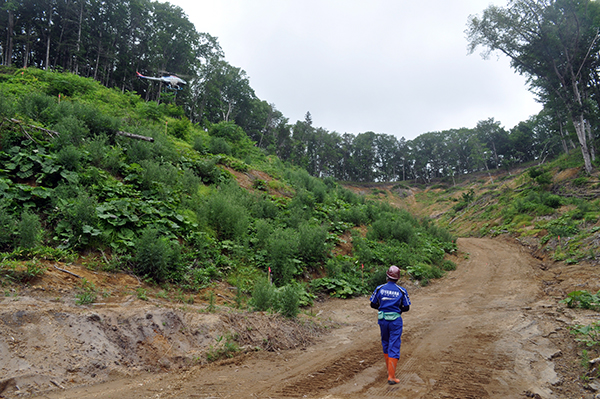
<point x="392" y="363"/>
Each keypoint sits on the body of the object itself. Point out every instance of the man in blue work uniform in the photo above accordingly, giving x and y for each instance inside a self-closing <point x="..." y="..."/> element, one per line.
<point x="391" y="300"/>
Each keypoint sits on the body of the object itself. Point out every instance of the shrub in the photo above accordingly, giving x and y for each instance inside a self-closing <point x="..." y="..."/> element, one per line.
<point x="282" y="248"/>
<point x="67" y="84"/>
<point x="36" y="106"/>
<point x="312" y="242"/>
<point x="208" y="170"/>
<point x="70" y="157"/>
<point x="448" y="265"/>
<point x="199" y="144"/>
<point x="97" y="122"/>
<point x="355" y="215"/>
<point x="153" y="173"/>
<point x="179" y="128"/>
<point x="156" y="257"/>
<point x="7" y="228"/>
<point x="7" y="106"/>
<point x="424" y="272"/>
<point x="219" y="145"/>
<point x="226" y="216"/>
<point x="79" y="221"/>
<point x="386" y="228"/>
<point x="29" y="230"/>
<point x="263" y="295"/>
<point x="288" y="301"/>
<point x="97" y="148"/>
<point x="540" y="176"/>
<point x="72" y="131"/>
<point x="87" y="293"/>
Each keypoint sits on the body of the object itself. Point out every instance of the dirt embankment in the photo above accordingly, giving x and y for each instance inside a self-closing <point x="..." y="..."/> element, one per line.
<point x="494" y="328"/>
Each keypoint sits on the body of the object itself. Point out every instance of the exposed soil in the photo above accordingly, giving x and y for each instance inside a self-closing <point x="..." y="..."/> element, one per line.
<point x="494" y="328"/>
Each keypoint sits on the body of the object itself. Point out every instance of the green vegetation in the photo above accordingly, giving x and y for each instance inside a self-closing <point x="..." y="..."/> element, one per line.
<point x="583" y="299"/>
<point x="171" y="211"/>
<point x="87" y="293"/>
<point x="225" y="347"/>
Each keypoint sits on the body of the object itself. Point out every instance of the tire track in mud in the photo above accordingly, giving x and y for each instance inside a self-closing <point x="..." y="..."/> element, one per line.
<point x="334" y="374"/>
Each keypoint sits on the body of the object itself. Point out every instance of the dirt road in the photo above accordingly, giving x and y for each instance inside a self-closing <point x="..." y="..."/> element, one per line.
<point x="491" y="329"/>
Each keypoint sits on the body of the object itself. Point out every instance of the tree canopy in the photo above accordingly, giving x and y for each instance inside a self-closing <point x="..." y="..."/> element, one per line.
<point x="555" y="44"/>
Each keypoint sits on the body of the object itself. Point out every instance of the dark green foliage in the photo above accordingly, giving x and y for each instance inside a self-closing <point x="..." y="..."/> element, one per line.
<point x="225" y="214"/>
<point x="583" y="299"/>
<point x="67" y="84"/>
<point x="355" y="215"/>
<point x="179" y="128"/>
<point x="29" y="230"/>
<point x="538" y="203"/>
<point x="7" y="106"/>
<point x="77" y="224"/>
<point x="466" y="199"/>
<point x="199" y="144"/>
<point x="70" y="158"/>
<point x="97" y="150"/>
<point x="448" y="265"/>
<point x="282" y="249"/>
<point x="208" y="171"/>
<point x="562" y="227"/>
<point x="218" y="145"/>
<point x="288" y="301"/>
<point x="390" y="228"/>
<point x="36" y="106"/>
<point x="263" y="295"/>
<point x="340" y="287"/>
<point x="540" y="176"/>
<point x="312" y="243"/>
<point x="425" y="272"/>
<point x="263" y="230"/>
<point x="97" y="122"/>
<point x="156" y="257"/>
<point x="72" y="131"/>
<point x="7" y="228"/>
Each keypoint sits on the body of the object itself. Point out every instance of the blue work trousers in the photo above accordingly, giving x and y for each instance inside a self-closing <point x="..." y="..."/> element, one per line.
<point x="391" y="336"/>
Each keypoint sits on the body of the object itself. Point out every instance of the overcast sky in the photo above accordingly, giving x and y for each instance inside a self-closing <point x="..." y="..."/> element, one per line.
<point x="397" y="67"/>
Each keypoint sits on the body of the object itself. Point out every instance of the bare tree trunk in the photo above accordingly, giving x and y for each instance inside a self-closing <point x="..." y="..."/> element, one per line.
<point x="588" y="128"/>
<point x="26" y="56"/>
<point x="98" y="56"/>
<point x="581" y="130"/>
<point x="562" y="138"/>
<point x="229" y="107"/>
<point x="47" y="61"/>
<point x="78" y="39"/>
<point x="9" y="37"/>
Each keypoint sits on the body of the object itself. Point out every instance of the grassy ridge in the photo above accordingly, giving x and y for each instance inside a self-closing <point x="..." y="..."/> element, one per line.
<point x="554" y="208"/>
<point x="171" y="210"/>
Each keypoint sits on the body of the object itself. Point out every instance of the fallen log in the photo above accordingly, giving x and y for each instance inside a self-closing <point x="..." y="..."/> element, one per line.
<point x="55" y="134"/>
<point x="136" y="136"/>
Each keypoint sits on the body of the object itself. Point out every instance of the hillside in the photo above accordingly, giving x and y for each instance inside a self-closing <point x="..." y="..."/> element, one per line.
<point x="134" y="241"/>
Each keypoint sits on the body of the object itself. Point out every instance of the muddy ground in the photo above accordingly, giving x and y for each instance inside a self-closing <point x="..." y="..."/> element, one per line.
<point x="493" y="328"/>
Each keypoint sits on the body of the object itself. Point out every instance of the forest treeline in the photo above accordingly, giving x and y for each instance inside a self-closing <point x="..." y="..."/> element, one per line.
<point x="554" y="43"/>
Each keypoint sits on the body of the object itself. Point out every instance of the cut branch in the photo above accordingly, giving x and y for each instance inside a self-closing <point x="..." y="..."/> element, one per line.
<point x="136" y="136"/>
<point x="66" y="271"/>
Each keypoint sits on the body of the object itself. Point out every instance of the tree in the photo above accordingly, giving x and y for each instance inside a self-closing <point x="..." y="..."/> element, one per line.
<point x="223" y="91"/>
<point x="554" y="43"/>
<point x="494" y="138"/>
